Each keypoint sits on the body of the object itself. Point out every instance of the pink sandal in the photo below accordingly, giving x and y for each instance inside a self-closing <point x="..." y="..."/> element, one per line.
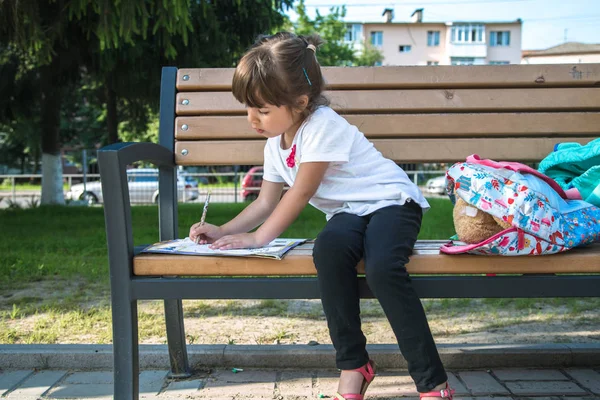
<point x="368" y="371"/>
<point x="446" y="393"/>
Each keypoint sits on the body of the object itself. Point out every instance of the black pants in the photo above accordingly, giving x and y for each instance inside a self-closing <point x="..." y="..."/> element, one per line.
<point x="385" y="240"/>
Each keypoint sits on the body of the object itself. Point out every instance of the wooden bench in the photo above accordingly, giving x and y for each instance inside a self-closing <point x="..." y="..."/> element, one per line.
<point x="412" y="114"/>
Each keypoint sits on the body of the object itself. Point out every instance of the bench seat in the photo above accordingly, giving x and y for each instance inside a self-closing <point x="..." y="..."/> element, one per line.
<point x="426" y="260"/>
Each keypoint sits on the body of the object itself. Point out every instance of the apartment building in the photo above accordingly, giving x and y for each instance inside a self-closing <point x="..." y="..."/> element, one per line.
<point x="566" y="53"/>
<point x="439" y="43"/>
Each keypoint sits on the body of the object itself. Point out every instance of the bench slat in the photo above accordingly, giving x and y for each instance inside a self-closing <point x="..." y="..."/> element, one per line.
<point x="418" y="76"/>
<point x="438" y="125"/>
<point x="424" y="261"/>
<point x="416" y="101"/>
<point x="250" y="152"/>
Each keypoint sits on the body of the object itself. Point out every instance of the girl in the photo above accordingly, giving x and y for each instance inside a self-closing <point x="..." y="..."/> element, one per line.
<point x="373" y="210"/>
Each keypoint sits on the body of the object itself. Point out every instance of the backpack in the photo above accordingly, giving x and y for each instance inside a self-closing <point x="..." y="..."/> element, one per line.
<point x="543" y="219"/>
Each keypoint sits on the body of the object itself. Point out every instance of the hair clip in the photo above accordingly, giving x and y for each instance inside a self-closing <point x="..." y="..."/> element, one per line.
<point x="306" y="75"/>
<point x="312" y="47"/>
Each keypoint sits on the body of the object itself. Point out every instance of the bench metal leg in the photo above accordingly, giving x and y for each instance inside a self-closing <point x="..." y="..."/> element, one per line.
<point x="176" y="339"/>
<point x="125" y="350"/>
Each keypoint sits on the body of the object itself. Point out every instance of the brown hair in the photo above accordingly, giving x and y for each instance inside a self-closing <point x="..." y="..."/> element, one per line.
<point x="277" y="70"/>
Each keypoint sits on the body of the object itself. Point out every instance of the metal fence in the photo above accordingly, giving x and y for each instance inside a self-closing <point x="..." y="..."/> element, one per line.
<point x="225" y="187"/>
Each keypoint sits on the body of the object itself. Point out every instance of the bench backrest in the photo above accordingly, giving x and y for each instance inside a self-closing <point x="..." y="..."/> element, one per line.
<point x="412" y="114"/>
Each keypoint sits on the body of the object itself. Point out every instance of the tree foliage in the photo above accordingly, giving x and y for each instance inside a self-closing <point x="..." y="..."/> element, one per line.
<point x="332" y="29"/>
<point x="369" y="56"/>
<point x="42" y="27"/>
<point x="111" y="52"/>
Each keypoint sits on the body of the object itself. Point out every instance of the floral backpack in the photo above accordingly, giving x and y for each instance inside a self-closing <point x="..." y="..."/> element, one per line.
<point x="544" y="220"/>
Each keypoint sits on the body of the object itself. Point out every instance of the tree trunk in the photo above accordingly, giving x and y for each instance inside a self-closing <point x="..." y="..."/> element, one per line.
<point x="52" y="191"/>
<point x="112" y="119"/>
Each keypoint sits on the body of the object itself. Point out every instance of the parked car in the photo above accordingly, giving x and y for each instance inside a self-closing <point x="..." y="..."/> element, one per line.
<point x="436" y="185"/>
<point x="143" y="188"/>
<point x="251" y="183"/>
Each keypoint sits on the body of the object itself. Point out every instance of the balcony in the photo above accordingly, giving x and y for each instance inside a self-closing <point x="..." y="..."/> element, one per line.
<point x="476" y="50"/>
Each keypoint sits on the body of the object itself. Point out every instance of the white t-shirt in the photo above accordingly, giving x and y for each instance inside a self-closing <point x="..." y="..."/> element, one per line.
<point x="359" y="179"/>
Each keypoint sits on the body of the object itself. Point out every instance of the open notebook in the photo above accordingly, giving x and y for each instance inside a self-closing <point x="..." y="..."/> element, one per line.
<point x="276" y="249"/>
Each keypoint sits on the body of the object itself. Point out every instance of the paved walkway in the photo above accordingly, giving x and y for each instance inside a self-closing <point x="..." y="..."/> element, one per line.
<point x="302" y="384"/>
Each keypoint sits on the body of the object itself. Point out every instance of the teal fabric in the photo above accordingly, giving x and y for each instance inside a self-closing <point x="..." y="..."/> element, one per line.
<point x="572" y="165"/>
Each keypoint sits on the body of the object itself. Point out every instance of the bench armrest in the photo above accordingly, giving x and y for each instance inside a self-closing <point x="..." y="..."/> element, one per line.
<point x="130" y="152"/>
<point x="113" y="161"/>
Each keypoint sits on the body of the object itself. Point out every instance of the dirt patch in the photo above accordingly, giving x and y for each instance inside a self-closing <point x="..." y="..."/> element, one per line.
<point x="473" y="323"/>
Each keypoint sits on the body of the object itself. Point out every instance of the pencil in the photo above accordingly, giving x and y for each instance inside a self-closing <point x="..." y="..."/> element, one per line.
<point x="204" y="210"/>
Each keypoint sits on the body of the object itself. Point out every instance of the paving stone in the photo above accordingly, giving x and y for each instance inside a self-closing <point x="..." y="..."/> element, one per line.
<point x="9" y="379"/>
<point x="570" y="398"/>
<point x="326" y="382"/>
<point x="111" y="397"/>
<point x="481" y="383"/>
<point x="184" y="388"/>
<point x="151" y="382"/>
<point x="295" y="383"/>
<point x="228" y="390"/>
<point x="159" y="397"/>
<point x="387" y="397"/>
<point x="89" y="377"/>
<point x="529" y="375"/>
<point x="225" y="383"/>
<point x="547" y="388"/>
<point x="387" y="385"/>
<point x="249" y="375"/>
<point x="553" y="398"/>
<point x="460" y="389"/>
<point x="401" y="384"/>
<point x="486" y="398"/>
<point x="588" y="378"/>
<point x="36" y="385"/>
<point x="82" y="390"/>
<point x="393" y="383"/>
<point x="577" y="384"/>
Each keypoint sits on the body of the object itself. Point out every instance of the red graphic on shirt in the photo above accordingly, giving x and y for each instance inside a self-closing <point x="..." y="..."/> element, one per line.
<point x="291" y="160"/>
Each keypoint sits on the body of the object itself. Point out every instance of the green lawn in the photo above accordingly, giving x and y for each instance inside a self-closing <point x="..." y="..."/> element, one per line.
<point x="55" y="287"/>
<point x="6" y="185"/>
<point x="45" y="242"/>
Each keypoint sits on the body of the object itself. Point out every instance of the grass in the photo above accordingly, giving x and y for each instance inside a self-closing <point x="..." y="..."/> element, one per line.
<point x="6" y="185"/>
<point x="54" y="283"/>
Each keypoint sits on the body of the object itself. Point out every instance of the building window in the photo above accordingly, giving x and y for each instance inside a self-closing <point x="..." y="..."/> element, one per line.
<point x="405" y="48"/>
<point x="499" y="62"/>
<point x="353" y="33"/>
<point x="462" y="60"/>
<point x="468" y="34"/>
<point x="377" y="38"/>
<point x="433" y="38"/>
<point x="433" y="63"/>
<point x="500" y="38"/>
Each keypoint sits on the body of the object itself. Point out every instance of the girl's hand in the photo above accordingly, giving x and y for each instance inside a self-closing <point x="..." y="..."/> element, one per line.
<point x="239" y="241"/>
<point x="203" y="234"/>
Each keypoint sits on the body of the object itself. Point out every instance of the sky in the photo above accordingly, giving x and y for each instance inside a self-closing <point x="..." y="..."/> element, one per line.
<point x="546" y="23"/>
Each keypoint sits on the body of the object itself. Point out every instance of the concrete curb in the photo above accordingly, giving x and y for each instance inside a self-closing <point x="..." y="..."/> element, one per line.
<point x="462" y="356"/>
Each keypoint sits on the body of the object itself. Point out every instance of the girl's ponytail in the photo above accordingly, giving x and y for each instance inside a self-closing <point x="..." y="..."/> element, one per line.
<point x="279" y="69"/>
